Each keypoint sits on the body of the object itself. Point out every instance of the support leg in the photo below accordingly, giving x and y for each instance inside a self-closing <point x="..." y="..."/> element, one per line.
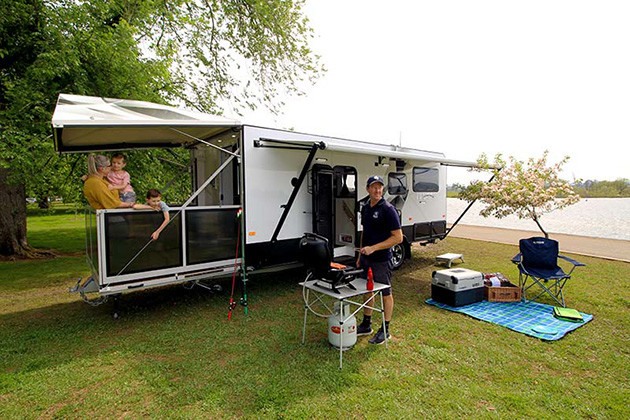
<point x="244" y="294"/>
<point x="304" y="327"/>
<point x="305" y="314"/>
<point x="115" y="314"/>
<point x="386" y="331"/>
<point x="341" y="339"/>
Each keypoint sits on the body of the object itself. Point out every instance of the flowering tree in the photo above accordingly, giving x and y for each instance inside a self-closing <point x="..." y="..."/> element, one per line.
<point x="526" y="189"/>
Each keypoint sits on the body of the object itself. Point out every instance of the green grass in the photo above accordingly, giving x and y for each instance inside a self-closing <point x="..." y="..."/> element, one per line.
<point x="63" y="232"/>
<point x="55" y="208"/>
<point x="173" y="354"/>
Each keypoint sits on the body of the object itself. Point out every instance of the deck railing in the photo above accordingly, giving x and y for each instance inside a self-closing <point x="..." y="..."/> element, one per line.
<point x="120" y="249"/>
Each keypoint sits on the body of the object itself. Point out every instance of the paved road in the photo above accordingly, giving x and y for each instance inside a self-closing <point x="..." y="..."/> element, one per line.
<point x="613" y="249"/>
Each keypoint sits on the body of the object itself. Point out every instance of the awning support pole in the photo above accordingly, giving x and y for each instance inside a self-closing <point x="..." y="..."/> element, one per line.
<point x="207" y="143"/>
<point x="465" y="211"/>
<point x="296" y="188"/>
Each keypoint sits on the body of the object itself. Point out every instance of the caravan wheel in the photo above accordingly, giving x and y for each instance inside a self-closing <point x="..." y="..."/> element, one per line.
<point x="398" y="256"/>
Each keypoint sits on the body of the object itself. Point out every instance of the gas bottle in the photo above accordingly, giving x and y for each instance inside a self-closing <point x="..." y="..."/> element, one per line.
<point x="336" y="330"/>
<point x="370" y="282"/>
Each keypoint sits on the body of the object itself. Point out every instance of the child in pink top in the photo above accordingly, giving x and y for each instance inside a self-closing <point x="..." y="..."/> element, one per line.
<point x="119" y="179"/>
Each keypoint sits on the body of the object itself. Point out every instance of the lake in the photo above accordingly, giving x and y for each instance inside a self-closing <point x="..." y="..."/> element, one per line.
<point x="597" y="217"/>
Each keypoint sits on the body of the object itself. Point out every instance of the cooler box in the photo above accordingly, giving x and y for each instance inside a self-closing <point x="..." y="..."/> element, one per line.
<point x="457" y="286"/>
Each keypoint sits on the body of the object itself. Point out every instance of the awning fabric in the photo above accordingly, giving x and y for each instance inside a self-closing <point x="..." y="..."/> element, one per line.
<point x="379" y="150"/>
<point x="85" y="123"/>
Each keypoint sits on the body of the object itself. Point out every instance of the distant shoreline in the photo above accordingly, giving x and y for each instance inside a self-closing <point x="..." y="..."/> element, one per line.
<point x="455" y="194"/>
<point x="612" y="249"/>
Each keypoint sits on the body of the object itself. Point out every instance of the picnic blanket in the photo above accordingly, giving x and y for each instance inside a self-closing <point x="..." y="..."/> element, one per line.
<point x="531" y="318"/>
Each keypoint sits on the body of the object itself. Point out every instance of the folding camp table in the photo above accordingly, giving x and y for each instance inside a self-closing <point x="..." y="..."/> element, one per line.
<point x="314" y="292"/>
<point x="448" y="258"/>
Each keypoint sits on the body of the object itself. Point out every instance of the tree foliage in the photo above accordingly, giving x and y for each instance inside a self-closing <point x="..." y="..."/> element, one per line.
<point x="526" y="189"/>
<point x="206" y="54"/>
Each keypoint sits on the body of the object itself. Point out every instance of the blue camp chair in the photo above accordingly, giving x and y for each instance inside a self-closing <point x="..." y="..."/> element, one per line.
<point x="538" y="261"/>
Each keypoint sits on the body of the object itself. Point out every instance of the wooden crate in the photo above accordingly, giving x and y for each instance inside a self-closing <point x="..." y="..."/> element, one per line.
<point x="510" y="293"/>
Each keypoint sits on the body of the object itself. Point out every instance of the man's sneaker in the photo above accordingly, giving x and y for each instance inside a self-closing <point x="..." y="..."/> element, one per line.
<point x="364" y="329"/>
<point x="379" y="337"/>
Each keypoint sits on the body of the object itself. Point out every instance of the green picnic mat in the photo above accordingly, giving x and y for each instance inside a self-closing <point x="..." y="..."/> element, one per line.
<point x="531" y="318"/>
<point x="567" y="314"/>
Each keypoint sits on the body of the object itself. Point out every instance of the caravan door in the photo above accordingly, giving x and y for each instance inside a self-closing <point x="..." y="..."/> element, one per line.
<point x="345" y="211"/>
<point x="323" y="203"/>
<point x="335" y="207"/>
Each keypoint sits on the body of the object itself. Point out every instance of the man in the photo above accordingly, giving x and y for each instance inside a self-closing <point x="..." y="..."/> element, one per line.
<point x="381" y="231"/>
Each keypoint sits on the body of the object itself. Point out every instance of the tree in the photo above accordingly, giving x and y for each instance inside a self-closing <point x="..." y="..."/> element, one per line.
<point x="618" y="188"/>
<point x="202" y="54"/>
<point x="527" y="190"/>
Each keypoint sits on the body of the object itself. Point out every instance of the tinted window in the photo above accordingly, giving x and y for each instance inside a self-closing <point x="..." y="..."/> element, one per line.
<point x="127" y="233"/>
<point x="211" y="235"/>
<point x="426" y="180"/>
<point x="397" y="183"/>
<point x="345" y="182"/>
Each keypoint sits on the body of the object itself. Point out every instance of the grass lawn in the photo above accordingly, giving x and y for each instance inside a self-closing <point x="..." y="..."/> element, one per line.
<point x="173" y="354"/>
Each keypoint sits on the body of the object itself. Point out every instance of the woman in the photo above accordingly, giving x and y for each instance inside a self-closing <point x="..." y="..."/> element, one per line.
<point x="95" y="188"/>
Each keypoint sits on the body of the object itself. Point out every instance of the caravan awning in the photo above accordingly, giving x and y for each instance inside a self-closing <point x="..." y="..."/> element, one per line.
<point x="397" y="152"/>
<point x="86" y="123"/>
<point x="374" y="149"/>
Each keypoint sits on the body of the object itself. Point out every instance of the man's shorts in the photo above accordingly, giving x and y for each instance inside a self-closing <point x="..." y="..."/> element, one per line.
<point x="128" y="197"/>
<point x="381" y="271"/>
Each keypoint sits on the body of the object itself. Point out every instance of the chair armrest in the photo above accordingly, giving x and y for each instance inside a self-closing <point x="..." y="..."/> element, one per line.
<point x="517" y="258"/>
<point x="572" y="261"/>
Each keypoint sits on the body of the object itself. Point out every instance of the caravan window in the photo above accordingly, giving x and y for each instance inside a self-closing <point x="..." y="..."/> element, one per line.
<point x="397" y="183"/>
<point x="345" y="182"/>
<point x="426" y="179"/>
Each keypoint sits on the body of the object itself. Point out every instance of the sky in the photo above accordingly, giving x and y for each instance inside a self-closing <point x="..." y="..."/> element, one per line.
<point x="472" y="77"/>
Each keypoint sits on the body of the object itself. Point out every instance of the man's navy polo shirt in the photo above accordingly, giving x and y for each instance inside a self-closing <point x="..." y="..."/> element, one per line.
<point x="378" y="223"/>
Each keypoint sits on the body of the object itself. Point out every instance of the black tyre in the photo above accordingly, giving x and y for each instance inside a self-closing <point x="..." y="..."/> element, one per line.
<point x="398" y="255"/>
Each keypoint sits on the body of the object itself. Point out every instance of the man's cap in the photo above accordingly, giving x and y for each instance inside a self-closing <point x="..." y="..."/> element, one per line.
<point x="371" y="180"/>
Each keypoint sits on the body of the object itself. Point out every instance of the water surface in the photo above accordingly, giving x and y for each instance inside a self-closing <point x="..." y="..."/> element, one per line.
<point x="597" y="217"/>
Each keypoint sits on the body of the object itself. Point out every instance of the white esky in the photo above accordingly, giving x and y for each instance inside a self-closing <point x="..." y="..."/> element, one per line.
<point x="466" y="77"/>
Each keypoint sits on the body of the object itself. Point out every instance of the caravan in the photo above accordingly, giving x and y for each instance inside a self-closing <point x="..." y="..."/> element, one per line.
<point x="254" y="189"/>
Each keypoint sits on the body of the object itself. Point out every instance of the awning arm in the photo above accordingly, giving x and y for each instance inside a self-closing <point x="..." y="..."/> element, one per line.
<point x="287" y="207"/>
<point x="465" y="211"/>
<point x="287" y="144"/>
<point x="458" y="164"/>
<point x="205" y="142"/>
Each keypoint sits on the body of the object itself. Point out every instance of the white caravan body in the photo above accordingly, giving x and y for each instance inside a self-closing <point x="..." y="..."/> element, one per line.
<point x="286" y="183"/>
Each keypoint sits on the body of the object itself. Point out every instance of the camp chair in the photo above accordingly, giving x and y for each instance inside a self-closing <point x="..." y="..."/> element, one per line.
<point x="538" y="261"/>
<point x="317" y="258"/>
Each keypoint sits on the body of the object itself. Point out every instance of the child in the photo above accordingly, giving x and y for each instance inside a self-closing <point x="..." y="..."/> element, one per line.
<point x="119" y="179"/>
<point x="154" y="202"/>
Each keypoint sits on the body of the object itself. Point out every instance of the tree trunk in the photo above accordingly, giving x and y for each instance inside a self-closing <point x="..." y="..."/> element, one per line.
<point x="540" y="226"/>
<point x="12" y="217"/>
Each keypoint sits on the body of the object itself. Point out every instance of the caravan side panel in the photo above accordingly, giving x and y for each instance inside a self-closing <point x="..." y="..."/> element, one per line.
<point x="267" y="177"/>
<point x="268" y="174"/>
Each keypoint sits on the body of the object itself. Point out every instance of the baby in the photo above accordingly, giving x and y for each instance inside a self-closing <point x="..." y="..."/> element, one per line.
<point x="154" y="202"/>
<point x="119" y="179"/>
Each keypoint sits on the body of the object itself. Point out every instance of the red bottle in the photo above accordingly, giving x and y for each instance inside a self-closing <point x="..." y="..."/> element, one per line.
<point x="370" y="283"/>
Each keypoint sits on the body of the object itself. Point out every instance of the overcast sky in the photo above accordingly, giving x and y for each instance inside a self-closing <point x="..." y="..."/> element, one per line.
<point x="466" y="77"/>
